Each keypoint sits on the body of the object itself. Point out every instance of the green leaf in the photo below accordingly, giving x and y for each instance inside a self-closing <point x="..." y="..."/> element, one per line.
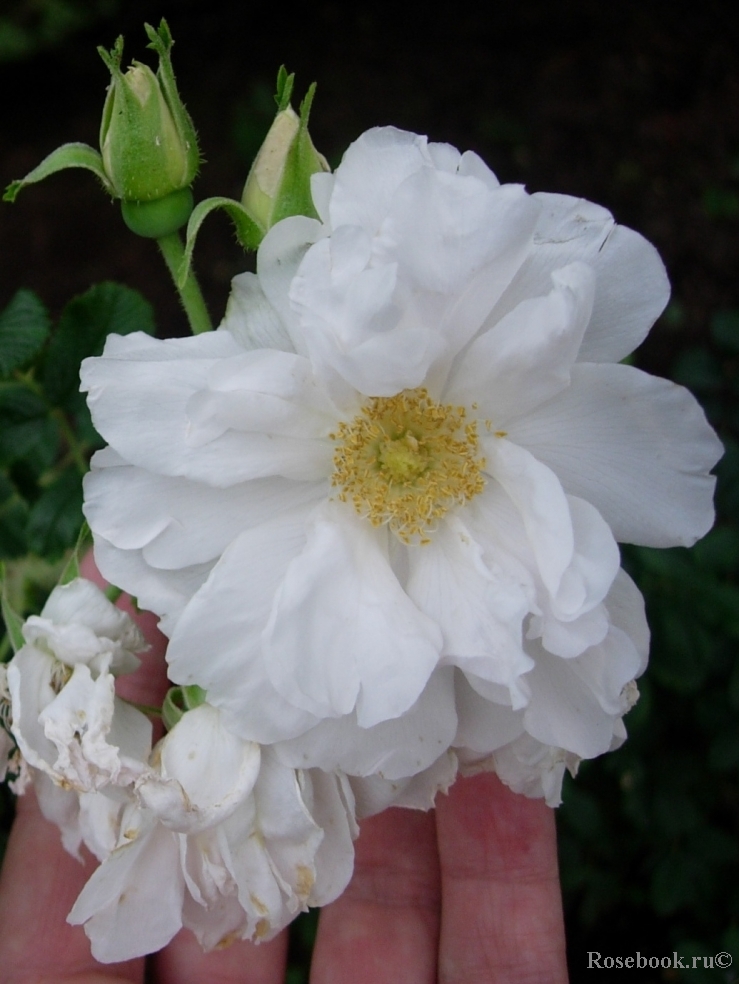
<point x="13" y="521"/>
<point x="68" y="155"/>
<point x="36" y="443"/>
<point x="248" y="232"/>
<point x="19" y="403"/>
<point x="84" y="325"/>
<point x="24" y="422"/>
<point x="24" y="327"/>
<point x="13" y="621"/>
<point x="56" y="516"/>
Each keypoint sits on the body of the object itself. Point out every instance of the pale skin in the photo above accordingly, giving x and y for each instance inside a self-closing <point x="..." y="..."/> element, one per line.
<point x="466" y="894"/>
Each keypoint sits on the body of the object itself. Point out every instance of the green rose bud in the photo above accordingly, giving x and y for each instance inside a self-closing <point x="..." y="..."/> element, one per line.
<point x="147" y="141"/>
<point x="279" y="181"/>
<point x="149" y="150"/>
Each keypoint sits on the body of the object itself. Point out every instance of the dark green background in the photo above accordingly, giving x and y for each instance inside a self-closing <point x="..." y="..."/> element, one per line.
<point x="635" y="107"/>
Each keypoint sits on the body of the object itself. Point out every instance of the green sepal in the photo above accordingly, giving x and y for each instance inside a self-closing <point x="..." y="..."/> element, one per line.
<point x="68" y="155"/>
<point x="295" y="196"/>
<point x="13" y="621"/>
<point x="284" y="92"/>
<point x="178" y="701"/>
<point x="161" y="41"/>
<point x="248" y="233"/>
<point x="72" y="568"/>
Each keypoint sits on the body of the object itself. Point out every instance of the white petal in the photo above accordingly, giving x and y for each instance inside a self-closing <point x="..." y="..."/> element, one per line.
<point x="445" y="227"/>
<point x="225" y="620"/>
<point x="350" y="322"/>
<point x="563" y="711"/>
<point x="161" y="436"/>
<point x="479" y="609"/>
<point x="250" y="317"/>
<point x="132" y="904"/>
<point x="30" y="683"/>
<point x="289" y="832"/>
<point x="178" y="523"/>
<point x="595" y="562"/>
<point x="343" y="633"/>
<point x="483" y="724"/>
<point x="77" y="721"/>
<point x="79" y="624"/>
<point x="205" y="773"/>
<point x="373" y="794"/>
<point x="279" y="256"/>
<point x="260" y="392"/>
<point x="529" y="767"/>
<point x="570" y="638"/>
<point x="369" y="174"/>
<point x="394" y="749"/>
<point x="526" y="357"/>
<point x="540" y="499"/>
<point x="163" y="592"/>
<point x="332" y="808"/>
<point x="626" y="611"/>
<point x="61" y="807"/>
<point x="631" y="284"/>
<point x="637" y="447"/>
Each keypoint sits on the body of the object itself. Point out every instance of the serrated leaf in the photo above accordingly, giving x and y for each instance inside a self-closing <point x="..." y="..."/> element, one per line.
<point x="56" y="516"/>
<point x="13" y="621"/>
<point x="24" y="327"/>
<point x="19" y="403"/>
<point x="84" y="325"/>
<point x="24" y="422"/>
<point x="35" y="443"/>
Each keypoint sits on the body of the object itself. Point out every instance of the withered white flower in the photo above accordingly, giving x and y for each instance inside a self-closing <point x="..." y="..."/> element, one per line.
<point x="378" y="509"/>
<point x="223" y="840"/>
<point x="65" y="717"/>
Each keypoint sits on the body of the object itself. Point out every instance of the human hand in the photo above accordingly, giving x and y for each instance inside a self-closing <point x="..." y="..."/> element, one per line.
<point x="466" y="893"/>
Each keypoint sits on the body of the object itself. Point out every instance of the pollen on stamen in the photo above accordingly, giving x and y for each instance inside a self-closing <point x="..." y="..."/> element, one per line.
<point x="406" y="460"/>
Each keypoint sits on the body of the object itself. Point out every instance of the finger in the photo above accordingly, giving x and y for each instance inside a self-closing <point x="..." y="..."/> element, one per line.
<point x="183" y="962"/>
<point x="501" y="903"/>
<point x="385" y="926"/>
<point x="39" y="885"/>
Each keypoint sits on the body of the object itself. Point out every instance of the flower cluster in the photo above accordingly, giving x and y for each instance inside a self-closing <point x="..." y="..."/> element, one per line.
<point x="377" y="512"/>
<point x="203" y="830"/>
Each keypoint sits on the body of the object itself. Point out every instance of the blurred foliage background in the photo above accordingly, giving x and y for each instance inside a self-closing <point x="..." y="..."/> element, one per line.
<point x="635" y="107"/>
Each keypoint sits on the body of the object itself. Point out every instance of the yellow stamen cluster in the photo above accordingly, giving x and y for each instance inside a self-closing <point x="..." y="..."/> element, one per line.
<point x="406" y="461"/>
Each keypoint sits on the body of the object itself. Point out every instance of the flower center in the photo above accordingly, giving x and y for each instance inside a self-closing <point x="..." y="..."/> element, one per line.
<point x="406" y="461"/>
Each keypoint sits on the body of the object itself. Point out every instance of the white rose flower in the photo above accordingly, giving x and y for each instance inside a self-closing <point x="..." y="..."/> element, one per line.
<point x="384" y="497"/>
<point x="225" y="841"/>
<point x="66" y="719"/>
